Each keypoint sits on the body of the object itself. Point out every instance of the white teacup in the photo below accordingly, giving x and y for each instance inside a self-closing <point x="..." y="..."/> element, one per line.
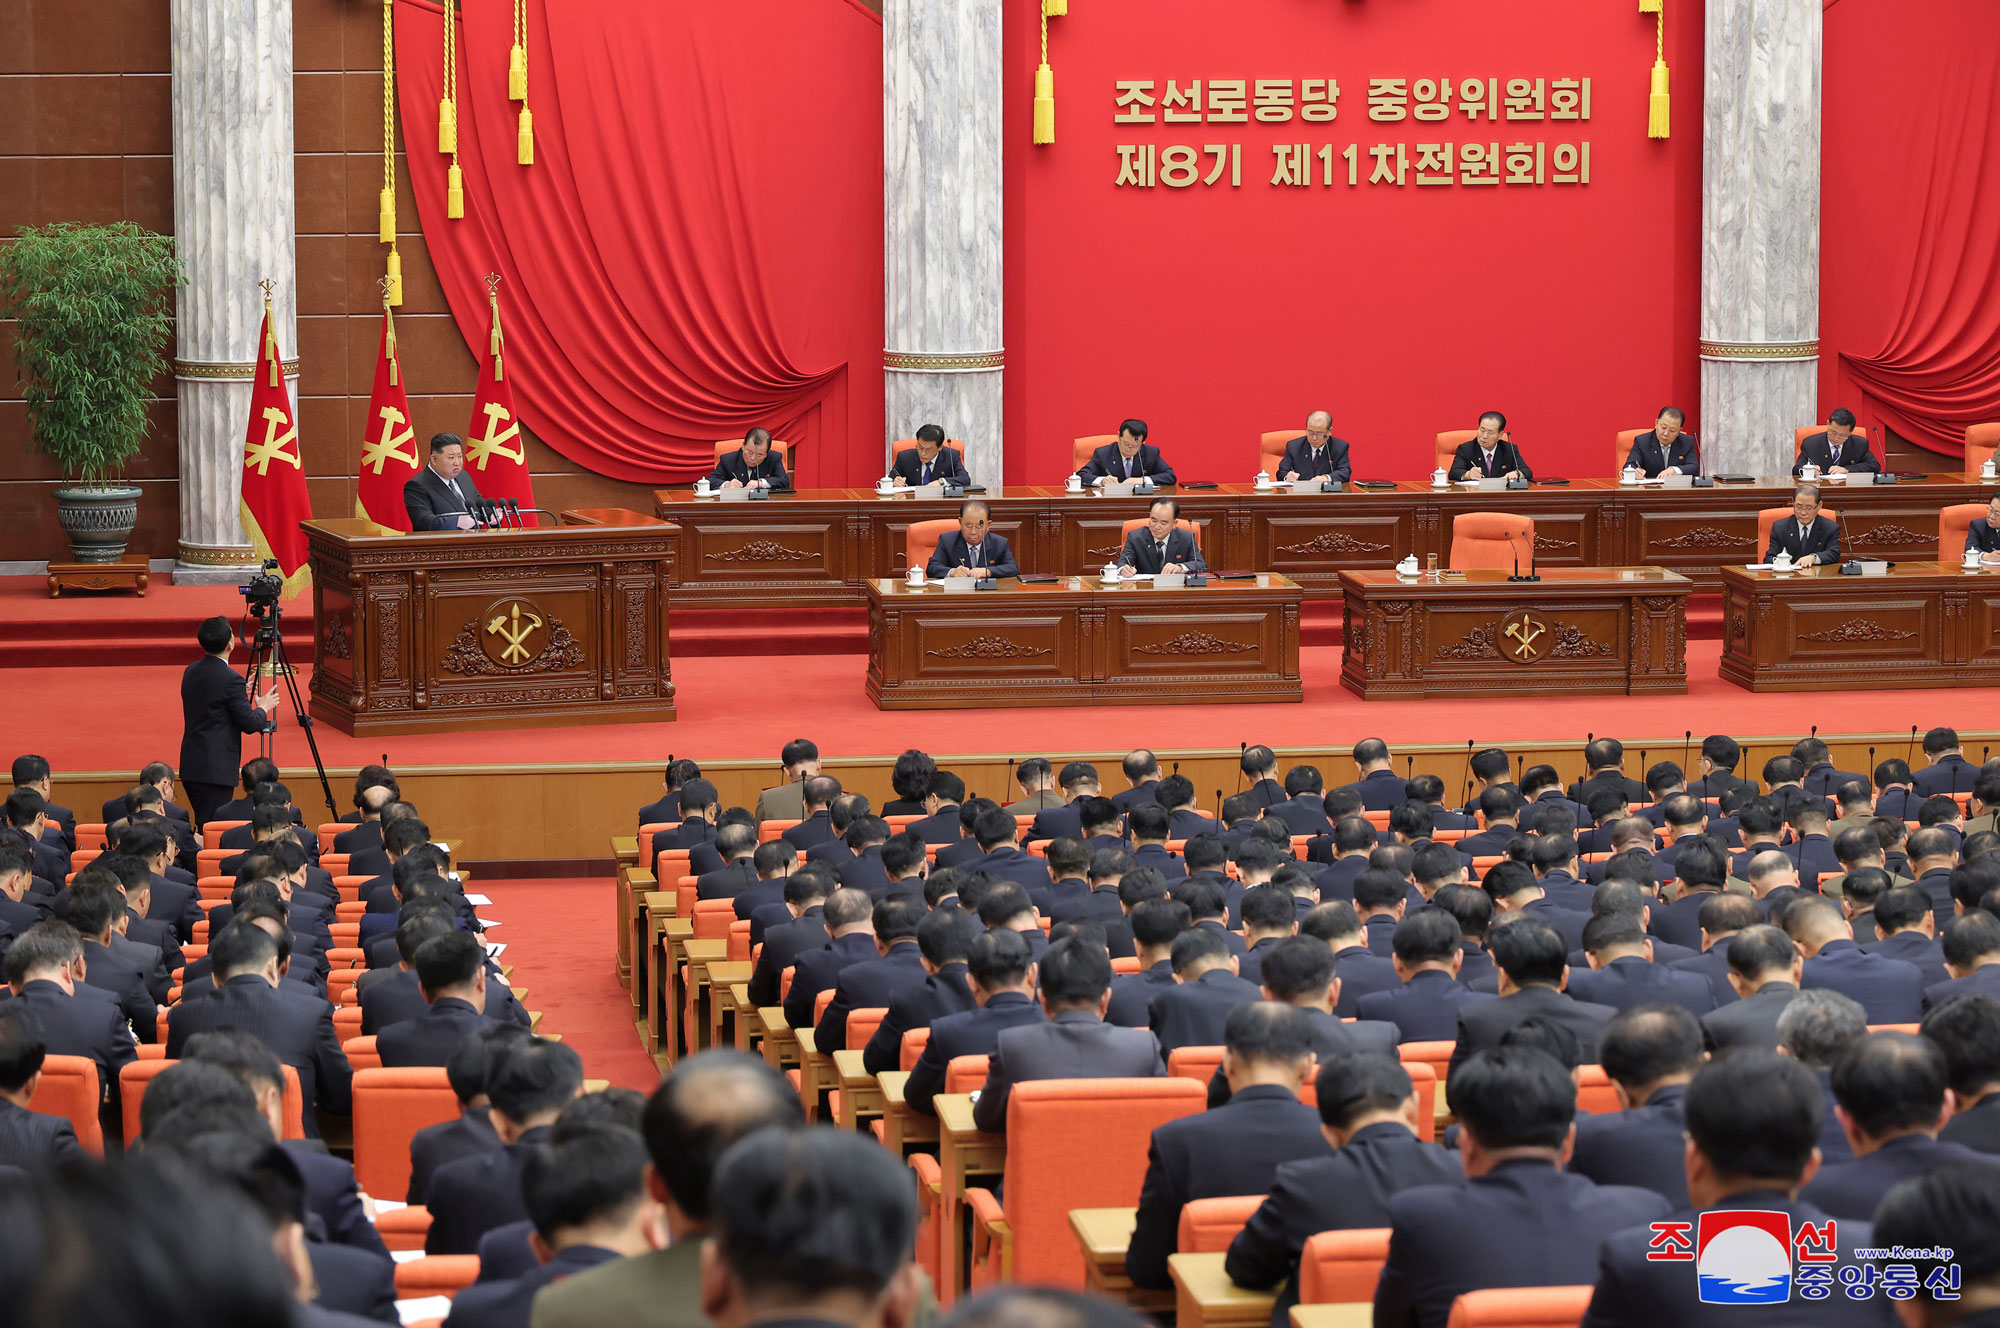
<point x="701" y="487"/>
<point x="1783" y="562"/>
<point x="916" y="576"/>
<point x="1075" y="484"/>
<point x="1972" y="558"/>
<point x="1109" y="573"/>
<point x="1440" y="478"/>
<point x="1408" y="566"/>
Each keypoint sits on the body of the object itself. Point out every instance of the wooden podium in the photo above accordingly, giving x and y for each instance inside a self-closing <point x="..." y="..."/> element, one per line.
<point x="493" y="629"/>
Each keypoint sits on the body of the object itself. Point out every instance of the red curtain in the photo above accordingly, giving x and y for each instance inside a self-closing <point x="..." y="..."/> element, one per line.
<point x="697" y="246"/>
<point x="1910" y="236"/>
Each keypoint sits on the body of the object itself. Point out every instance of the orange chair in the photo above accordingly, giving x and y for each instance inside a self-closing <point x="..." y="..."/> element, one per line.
<point x="91" y="835"/>
<point x="329" y="831"/>
<point x="1081" y="450"/>
<point x="1436" y="1055"/>
<point x="711" y="919"/>
<point x="913" y="1044"/>
<point x="1342" y="1267"/>
<point x="132" y="1081"/>
<point x="1125" y="533"/>
<point x="82" y="858"/>
<point x="436" y="1275"/>
<point x="905" y="444"/>
<point x="920" y="540"/>
<point x="361" y="1053"/>
<point x="739" y="942"/>
<point x="1626" y="437"/>
<point x="1594" y="1091"/>
<point x="1073" y="1143"/>
<point x="69" y="1088"/>
<point x="1208" y="1225"/>
<point x="963" y="1074"/>
<point x="1953" y="522"/>
<point x="1125" y="964"/>
<point x="1771" y="516"/>
<point x="1980" y="440"/>
<point x="346" y="1023"/>
<point x="1271" y="448"/>
<point x="334" y="864"/>
<point x="1424" y="1080"/>
<point x="724" y="446"/>
<point x="1491" y="540"/>
<point x="404" y="1228"/>
<point x="767" y="831"/>
<point x="1451" y="440"/>
<point x="1196" y="1063"/>
<point x="1799" y="436"/>
<point x="389" y="1107"/>
<point x="1521" y="1307"/>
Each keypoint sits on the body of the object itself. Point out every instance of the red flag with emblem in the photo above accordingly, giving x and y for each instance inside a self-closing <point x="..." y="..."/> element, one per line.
<point x="388" y="443"/>
<point x="274" y="499"/>
<point x="496" y="453"/>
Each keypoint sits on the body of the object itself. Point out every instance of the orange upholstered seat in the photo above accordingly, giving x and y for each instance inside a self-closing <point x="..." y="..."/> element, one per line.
<point x="1491" y="540"/>
<point x="1196" y="1063"/>
<point x="724" y="446"/>
<point x="134" y="1077"/>
<point x="1594" y="1092"/>
<point x="1083" y="447"/>
<point x="1626" y="437"/>
<point x="389" y="1107"/>
<point x="1208" y="1225"/>
<point x="436" y="1275"/>
<point x="920" y="541"/>
<point x="711" y="919"/>
<point x="963" y="1074"/>
<point x="69" y="1088"/>
<point x="1521" y="1307"/>
<point x="1771" y="516"/>
<point x="1271" y="448"/>
<point x="361" y="1052"/>
<point x="1953" y="522"/>
<point x="861" y="1025"/>
<point x="1072" y="1143"/>
<point x="91" y="834"/>
<point x="1980" y="440"/>
<point x="1341" y="1267"/>
<point x="1803" y="432"/>
<point x="914" y="1042"/>
<point x="1126" y="530"/>
<point x="1451" y="440"/>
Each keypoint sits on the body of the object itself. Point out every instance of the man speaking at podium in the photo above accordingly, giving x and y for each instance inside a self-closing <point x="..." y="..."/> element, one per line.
<point x="441" y="496"/>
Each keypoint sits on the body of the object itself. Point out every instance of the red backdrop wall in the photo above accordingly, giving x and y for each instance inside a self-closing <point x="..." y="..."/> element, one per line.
<point x="1216" y="313"/>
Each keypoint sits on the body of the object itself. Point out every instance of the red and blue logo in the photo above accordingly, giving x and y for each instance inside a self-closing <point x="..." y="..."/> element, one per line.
<point x="1744" y="1257"/>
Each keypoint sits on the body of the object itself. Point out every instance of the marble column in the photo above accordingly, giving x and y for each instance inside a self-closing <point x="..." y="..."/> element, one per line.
<point x="1760" y="232"/>
<point x="233" y="219"/>
<point x="941" y="126"/>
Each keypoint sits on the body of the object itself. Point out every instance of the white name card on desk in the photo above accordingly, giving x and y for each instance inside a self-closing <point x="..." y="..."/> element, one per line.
<point x="737" y="495"/>
<point x="423" y="1307"/>
<point x="1123" y="488"/>
<point x="1488" y="482"/>
<point x="478" y="901"/>
<point x="926" y="490"/>
<point x="1169" y="580"/>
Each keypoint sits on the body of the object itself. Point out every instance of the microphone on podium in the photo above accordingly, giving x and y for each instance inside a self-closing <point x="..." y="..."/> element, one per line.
<point x="1517" y="560"/>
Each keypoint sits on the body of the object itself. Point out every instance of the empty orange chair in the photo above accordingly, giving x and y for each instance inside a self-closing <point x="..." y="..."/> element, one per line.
<point x="1594" y="1090"/>
<point x="1771" y="516"/>
<point x="389" y="1107"/>
<point x="920" y="541"/>
<point x="1451" y="440"/>
<point x="1980" y="440"/>
<point x="1073" y="1143"/>
<point x="69" y="1088"/>
<point x="1080" y="452"/>
<point x="91" y="835"/>
<point x="436" y="1275"/>
<point x="724" y="446"/>
<point x="361" y="1053"/>
<point x="1953" y="522"/>
<point x="1495" y="541"/>
<point x="1342" y="1267"/>
<point x="1521" y="1307"/>
<point x="711" y="919"/>
<point x="1208" y="1225"/>
<point x="1803" y="432"/>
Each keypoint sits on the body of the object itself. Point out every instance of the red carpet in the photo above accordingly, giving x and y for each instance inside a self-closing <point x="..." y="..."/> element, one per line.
<point x="559" y="942"/>
<point x="98" y="719"/>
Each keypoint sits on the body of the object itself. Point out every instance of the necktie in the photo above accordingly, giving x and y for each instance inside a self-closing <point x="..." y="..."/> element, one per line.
<point x="1489" y="463"/>
<point x="1128" y="468"/>
<point x="1161" y="547"/>
<point x="927" y="474"/>
<point x="972" y="551"/>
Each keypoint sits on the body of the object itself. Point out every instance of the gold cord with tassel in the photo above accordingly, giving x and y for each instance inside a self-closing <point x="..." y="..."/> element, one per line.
<point x="493" y="304"/>
<point x="454" y="178"/>
<point x="394" y="276"/>
<point x="389" y="329"/>
<point x="387" y="220"/>
<point x="1656" y="104"/>
<point x="517" y="86"/>
<point x="270" y="334"/>
<point x="1045" y="78"/>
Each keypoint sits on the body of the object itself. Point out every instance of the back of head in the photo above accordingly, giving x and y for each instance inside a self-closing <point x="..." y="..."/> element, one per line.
<point x="1068" y="857"/>
<point x="1513" y="1098"/>
<point x="1896" y="908"/>
<point x="1819" y="1026"/>
<point x="1554" y="1040"/>
<point x="1268" y="908"/>
<point x="23" y="1046"/>
<point x="241" y="1054"/>
<point x="1891" y="1083"/>
<point x="1076" y="974"/>
<point x="1156" y="922"/>
<point x="1650" y="1043"/>
<point x="533" y="1079"/>
<point x="997" y="959"/>
<point x="897" y="918"/>
<point x="1196" y="948"/>
<point x="1953" y="1211"/>
<point x="1506" y="880"/>
<point x="1298" y="969"/>
<point x="735" y="841"/>
<point x="1268" y="1033"/>
<point x="1491" y="764"/>
<point x="241" y="948"/>
<point x="1761" y="953"/>
<point x="1175" y="792"/>
<point x="703" y="1106"/>
<point x="1470" y="907"/>
<point x="1205" y="853"/>
<point x="191" y="1085"/>
<point x="1302" y="779"/>
<point x="471" y="1064"/>
<point x="595" y="1177"/>
<point x="1148" y="823"/>
<point x="1141" y="765"/>
<point x="1972" y="941"/>
<point x="1335" y="923"/>
<point x="1967" y="1030"/>
<point x="1376" y="890"/>
<point x="1427" y="936"/>
<point x="944" y="935"/>
<point x="450" y="962"/>
<point x="799" y="1214"/>
<point x="1203" y="899"/>
<point x="846" y="907"/>
<point x="1528" y="950"/>
<point x="1755" y="1115"/>
<point x="1499" y="804"/>
<point x="1353" y="1087"/>
<point x="911" y="775"/>
<point x="772" y="859"/>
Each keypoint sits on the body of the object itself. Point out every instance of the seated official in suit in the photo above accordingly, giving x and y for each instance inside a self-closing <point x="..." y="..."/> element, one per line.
<point x="1533" y="964"/>
<point x="1983" y="535"/>
<point x="1317" y="454"/>
<point x="1811" y="539"/>
<point x="451" y="970"/>
<point x="1368" y="1112"/>
<point x="929" y="462"/>
<point x="1650" y="1054"/>
<point x="1764" y="968"/>
<point x="874" y="983"/>
<point x="973" y="549"/>
<point x="1161" y="545"/>
<point x="1667" y="449"/>
<point x="29" y="1139"/>
<point x="1075" y="1043"/>
<point x="848" y="916"/>
<point x="1519" y="1220"/>
<point x="472" y="1132"/>
<point x="1130" y="458"/>
<point x="1890" y="990"/>
<point x="1000" y="972"/>
<point x="1427" y="959"/>
<point x="1751" y="1122"/>
<point x="1195" y="1012"/>
<point x="1300" y="972"/>
<point x="944" y="940"/>
<point x="1890" y="1093"/>
<point x="1836" y="450"/>
<point x="1489" y="456"/>
<point x="529" y="1086"/>
<point x="442" y="496"/>
<point x="1624" y="975"/>
<point x="1964" y="1029"/>
<point x="1236" y="1148"/>
<point x="755" y="465"/>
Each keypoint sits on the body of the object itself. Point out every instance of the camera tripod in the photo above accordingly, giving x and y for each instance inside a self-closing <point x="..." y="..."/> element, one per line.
<point x="266" y="638"/>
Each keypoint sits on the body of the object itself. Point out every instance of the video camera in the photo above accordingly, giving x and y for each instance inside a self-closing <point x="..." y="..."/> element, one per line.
<point x="261" y="594"/>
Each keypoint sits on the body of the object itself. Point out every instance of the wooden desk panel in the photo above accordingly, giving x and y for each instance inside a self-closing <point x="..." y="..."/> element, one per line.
<point x="1924" y="624"/>
<point x="1576" y="632"/>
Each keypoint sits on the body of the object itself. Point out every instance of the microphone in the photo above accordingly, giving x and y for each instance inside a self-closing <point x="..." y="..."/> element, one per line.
<point x="1513" y="545"/>
<point x="514" y="510"/>
<point x="1468" y="770"/>
<point x="1911" y="755"/>
<point x="1010" y="776"/>
<point x="1242" y="747"/>
<point x="1687" y="754"/>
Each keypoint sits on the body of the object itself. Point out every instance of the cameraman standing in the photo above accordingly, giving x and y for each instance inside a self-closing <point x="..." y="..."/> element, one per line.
<point x="215" y="714"/>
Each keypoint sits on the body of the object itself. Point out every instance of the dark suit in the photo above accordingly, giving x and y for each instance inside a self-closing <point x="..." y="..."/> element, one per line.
<point x="945" y="827"/>
<point x="1751" y="1022"/>
<point x="1480" y="1025"/>
<point x="1055" y="822"/>
<point x="146" y="931"/>
<point x="334" y="1198"/>
<point x="1156" y="856"/>
<point x="1329" y="461"/>
<point x="1233" y="1149"/>
<point x="296" y="1025"/>
<point x="1680" y="921"/>
<point x="1524" y="1223"/>
<point x="127" y="985"/>
<point x="473" y="1195"/>
<point x="957" y="854"/>
<point x="991" y="555"/>
<point x="1132" y="995"/>
<point x="215" y="713"/>
<point x="88" y="1023"/>
<point x="364" y="837"/>
<point x="782" y="946"/>
<point x="399" y="999"/>
<point x="1336" y="881"/>
<point x="1566" y="892"/>
<point x="1381" y="790"/>
<point x="1817" y="450"/>
<point x="355" y="1287"/>
<point x="1891" y="991"/>
<point x="32" y="1140"/>
<point x="1649" y="456"/>
<point x="869" y="985"/>
<point x="946" y="465"/>
<point x="1305" y="814"/>
<point x="1712" y="967"/>
<point x="1345" y="1192"/>
<point x="1985" y="978"/>
<point x="815" y="829"/>
<point x="1250" y="964"/>
<point x="1569" y="923"/>
<point x="1626" y="983"/>
<point x="436" y="1145"/>
<point x="1424" y="1009"/>
<point x="664" y="812"/>
<point x="1854" y="1188"/>
<point x="1635" y="1292"/>
<point x="1643" y="1146"/>
<point x="1187" y="823"/>
<point x="1012" y="864"/>
<point x="814" y="971"/>
<point x="507" y="1304"/>
<point x="763" y="895"/>
<point x="1361" y="972"/>
<point x="1332" y="1037"/>
<point x="734" y="878"/>
<point x="432" y="505"/>
<point x="430" y="1039"/>
<point x="732" y="466"/>
<point x="1977" y="1127"/>
<point x="969" y="1033"/>
<point x="1469" y="460"/>
<point x="1142" y="552"/>
<point x="1937" y="884"/>
<point x="1951" y="774"/>
<point x="938" y="996"/>
<point x="686" y="835"/>
<point x="833" y="852"/>
<point x="1488" y="843"/>
<point x="1073" y="1045"/>
<point x="1822" y="541"/>
<point x="1192" y="1014"/>
<point x="1108" y="462"/>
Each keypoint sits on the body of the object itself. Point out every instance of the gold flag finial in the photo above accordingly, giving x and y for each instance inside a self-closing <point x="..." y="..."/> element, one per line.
<point x="391" y="287"/>
<point x="493" y="303"/>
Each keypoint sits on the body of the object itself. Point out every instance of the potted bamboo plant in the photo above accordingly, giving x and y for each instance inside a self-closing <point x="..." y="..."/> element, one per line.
<point x="94" y="308"/>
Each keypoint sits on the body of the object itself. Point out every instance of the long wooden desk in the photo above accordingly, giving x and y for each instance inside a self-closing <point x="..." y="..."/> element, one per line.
<point x="818" y="548"/>
<point x="1577" y="631"/>
<point x="1923" y="624"/>
<point x="1078" y="640"/>
<point x="504" y="628"/>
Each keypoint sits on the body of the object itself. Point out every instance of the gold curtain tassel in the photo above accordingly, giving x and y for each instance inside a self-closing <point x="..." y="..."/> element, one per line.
<point x="1060" y="8"/>
<point x="454" y="193"/>
<point x="395" y="275"/>
<point x="1045" y="105"/>
<point x="447" y="126"/>
<point x="517" y="73"/>
<point x="1649" y="6"/>
<point x="389" y="325"/>
<point x="1656" y="105"/>
<point x="388" y="217"/>
<point x="524" y="139"/>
